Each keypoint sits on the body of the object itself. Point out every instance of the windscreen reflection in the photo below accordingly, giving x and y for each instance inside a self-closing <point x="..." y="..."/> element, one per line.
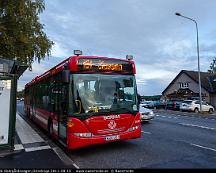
<point x="104" y="93"/>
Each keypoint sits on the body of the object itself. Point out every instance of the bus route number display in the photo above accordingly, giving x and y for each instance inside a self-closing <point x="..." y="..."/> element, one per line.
<point x="104" y="65"/>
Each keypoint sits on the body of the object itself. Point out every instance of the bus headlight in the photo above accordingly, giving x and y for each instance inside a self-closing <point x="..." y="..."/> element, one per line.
<point x="133" y="128"/>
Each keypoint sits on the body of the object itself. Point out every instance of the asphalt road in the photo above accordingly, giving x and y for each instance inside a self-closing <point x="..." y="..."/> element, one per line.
<point x="172" y="140"/>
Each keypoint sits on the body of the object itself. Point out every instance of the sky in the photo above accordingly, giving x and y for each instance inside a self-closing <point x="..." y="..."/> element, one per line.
<point x="161" y="43"/>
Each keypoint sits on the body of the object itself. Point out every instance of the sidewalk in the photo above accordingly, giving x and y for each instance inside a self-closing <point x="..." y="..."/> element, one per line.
<point x="31" y="151"/>
<point x="36" y="159"/>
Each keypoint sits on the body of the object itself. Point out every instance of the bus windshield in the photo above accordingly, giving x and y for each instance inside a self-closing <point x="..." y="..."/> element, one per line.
<point x="104" y="93"/>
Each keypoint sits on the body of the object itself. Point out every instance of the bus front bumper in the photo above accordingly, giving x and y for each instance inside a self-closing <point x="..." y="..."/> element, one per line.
<point x="75" y="142"/>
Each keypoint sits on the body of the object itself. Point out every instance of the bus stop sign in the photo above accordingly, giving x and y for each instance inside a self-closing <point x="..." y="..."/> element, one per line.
<point x="5" y="90"/>
<point x="10" y="71"/>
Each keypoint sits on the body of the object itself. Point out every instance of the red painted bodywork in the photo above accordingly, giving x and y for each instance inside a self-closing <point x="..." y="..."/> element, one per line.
<point x="99" y="129"/>
<point x="98" y="126"/>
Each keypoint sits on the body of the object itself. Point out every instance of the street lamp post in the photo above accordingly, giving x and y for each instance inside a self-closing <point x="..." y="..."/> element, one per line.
<point x="200" y="93"/>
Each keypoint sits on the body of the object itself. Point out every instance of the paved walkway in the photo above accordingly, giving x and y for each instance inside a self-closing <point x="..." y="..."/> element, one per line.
<point x="30" y="140"/>
<point x="31" y="151"/>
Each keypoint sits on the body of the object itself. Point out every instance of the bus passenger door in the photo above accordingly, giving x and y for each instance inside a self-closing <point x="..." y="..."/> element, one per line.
<point x="63" y="104"/>
<point x="57" y="98"/>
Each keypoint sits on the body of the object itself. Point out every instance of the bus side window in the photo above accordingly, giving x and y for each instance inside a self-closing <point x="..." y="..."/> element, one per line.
<point x="52" y="98"/>
<point x="64" y="99"/>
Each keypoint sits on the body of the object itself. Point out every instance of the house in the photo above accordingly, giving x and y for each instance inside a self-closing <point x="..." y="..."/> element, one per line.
<point x="186" y="86"/>
<point x="154" y="97"/>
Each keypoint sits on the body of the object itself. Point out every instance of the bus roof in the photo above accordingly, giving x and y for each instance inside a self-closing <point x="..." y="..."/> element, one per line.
<point x="72" y="64"/>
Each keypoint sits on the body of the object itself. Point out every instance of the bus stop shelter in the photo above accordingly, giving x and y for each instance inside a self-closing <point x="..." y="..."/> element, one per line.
<point x="10" y="71"/>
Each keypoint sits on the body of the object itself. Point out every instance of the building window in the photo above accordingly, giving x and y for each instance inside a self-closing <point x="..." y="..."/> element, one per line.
<point x="184" y="85"/>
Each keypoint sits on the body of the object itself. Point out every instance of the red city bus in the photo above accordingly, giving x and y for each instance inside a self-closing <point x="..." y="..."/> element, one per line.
<point x="86" y="100"/>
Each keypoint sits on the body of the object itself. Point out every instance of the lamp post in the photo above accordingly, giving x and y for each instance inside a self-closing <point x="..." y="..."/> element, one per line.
<point x="200" y="94"/>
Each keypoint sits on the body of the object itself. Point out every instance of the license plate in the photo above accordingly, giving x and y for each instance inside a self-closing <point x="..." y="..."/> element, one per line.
<point x="109" y="138"/>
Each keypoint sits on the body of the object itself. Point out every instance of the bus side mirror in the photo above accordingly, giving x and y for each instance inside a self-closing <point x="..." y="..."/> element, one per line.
<point x="65" y="76"/>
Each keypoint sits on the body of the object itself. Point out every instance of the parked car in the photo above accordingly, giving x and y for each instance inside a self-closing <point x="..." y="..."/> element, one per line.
<point x="159" y="104"/>
<point x="147" y="104"/>
<point x="153" y="104"/>
<point x="194" y="105"/>
<point x="146" y="114"/>
<point x="174" y="104"/>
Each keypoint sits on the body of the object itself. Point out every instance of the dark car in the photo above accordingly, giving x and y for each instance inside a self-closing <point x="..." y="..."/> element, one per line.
<point x="153" y="104"/>
<point x="159" y="104"/>
<point x="147" y="104"/>
<point x="173" y="104"/>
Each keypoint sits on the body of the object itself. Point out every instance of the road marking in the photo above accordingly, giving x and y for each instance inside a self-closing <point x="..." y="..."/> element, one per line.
<point x="18" y="147"/>
<point x="194" y="125"/>
<point x="64" y="157"/>
<point x="172" y="116"/>
<point x="37" y="148"/>
<point x="29" y="138"/>
<point x="200" y="146"/>
<point x="146" y="132"/>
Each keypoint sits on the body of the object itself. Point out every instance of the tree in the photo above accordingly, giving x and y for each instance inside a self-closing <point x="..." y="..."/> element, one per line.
<point x="20" y="94"/>
<point x="21" y="34"/>
<point x="212" y="66"/>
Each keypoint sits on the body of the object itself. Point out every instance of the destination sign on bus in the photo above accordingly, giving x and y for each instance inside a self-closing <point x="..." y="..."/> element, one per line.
<point x="104" y="65"/>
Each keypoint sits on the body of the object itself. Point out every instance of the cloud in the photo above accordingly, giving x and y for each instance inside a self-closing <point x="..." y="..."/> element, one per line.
<point x="162" y="43"/>
<point x="58" y="50"/>
<point x="37" y="69"/>
<point x="151" y="81"/>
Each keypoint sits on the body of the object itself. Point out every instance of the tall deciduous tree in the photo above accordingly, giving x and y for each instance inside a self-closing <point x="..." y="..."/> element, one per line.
<point x="212" y="66"/>
<point x="21" y="33"/>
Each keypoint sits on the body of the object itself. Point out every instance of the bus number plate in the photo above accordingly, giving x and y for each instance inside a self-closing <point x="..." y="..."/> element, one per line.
<point x="109" y="138"/>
